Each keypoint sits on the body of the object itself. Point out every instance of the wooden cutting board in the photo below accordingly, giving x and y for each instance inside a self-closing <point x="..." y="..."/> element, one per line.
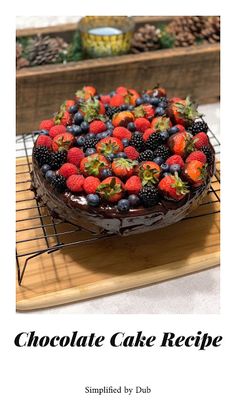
<point x="111" y="265"/>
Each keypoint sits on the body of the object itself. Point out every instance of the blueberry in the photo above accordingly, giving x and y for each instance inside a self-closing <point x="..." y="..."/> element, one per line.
<point x="84" y="126"/>
<point x="110" y="157"/>
<point x="45" y="168"/>
<point x="139" y="101"/>
<point x="123" y="205"/>
<point x="80" y="141"/>
<point x="134" y="200"/>
<point x="173" y="130"/>
<point x="109" y="125"/>
<point x="44" y="132"/>
<point x="159" y="161"/>
<point x="130" y="108"/>
<point x="89" y="151"/>
<point x="146" y="98"/>
<point x="154" y="101"/>
<point x="124" y="107"/>
<point x="175" y="168"/>
<point x="78" y="118"/>
<point x="131" y="126"/>
<point x="96" y="97"/>
<point x="164" y="135"/>
<point x="121" y="155"/>
<point x="106" y="172"/>
<point x="159" y="111"/>
<point x="125" y="142"/>
<point x="103" y="134"/>
<point x="93" y="199"/>
<point x="109" y="132"/>
<point x="90" y="136"/>
<point x="49" y="175"/>
<point x="112" y="93"/>
<point x="165" y="167"/>
<point x="73" y="109"/>
<point x="106" y="106"/>
<point x="74" y="129"/>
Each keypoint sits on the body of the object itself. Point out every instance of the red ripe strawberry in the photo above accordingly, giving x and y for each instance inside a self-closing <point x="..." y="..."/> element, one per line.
<point x="68" y="169"/>
<point x="109" y="145"/>
<point x="91" y="184"/>
<point x="122" y="90"/>
<point x="117" y="100"/>
<point x="101" y="108"/>
<point x="46" y="124"/>
<point x="181" y="143"/>
<point x="75" y="183"/>
<point x="121" y="119"/>
<point x="44" y="140"/>
<point x="97" y="126"/>
<point x="146" y="111"/>
<point x="133" y="185"/>
<point x="62" y="141"/>
<point x="75" y="155"/>
<point x="92" y="109"/>
<point x="92" y="165"/>
<point x="123" y="167"/>
<point x="57" y="129"/>
<point x="142" y="124"/>
<point x="201" y="139"/>
<point x="181" y="128"/>
<point x="172" y="186"/>
<point x="121" y="133"/>
<point x="149" y="172"/>
<point x="105" y="99"/>
<point x="195" y="172"/>
<point x="131" y="152"/>
<point x="111" y="189"/>
<point x="175" y="159"/>
<point x="131" y="97"/>
<point x="63" y="117"/>
<point x="161" y="123"/>
<point x="69" y="103"/>
<point x="86" y="93"/>
<point x="182" y="111"/>
<point x="196" y="155"/>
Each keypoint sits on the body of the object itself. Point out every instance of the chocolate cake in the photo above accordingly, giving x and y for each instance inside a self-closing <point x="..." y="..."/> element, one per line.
<point x="123" y="162"/>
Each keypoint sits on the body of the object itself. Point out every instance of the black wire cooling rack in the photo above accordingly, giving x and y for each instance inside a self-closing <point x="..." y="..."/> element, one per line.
<point x="37" y="232"/>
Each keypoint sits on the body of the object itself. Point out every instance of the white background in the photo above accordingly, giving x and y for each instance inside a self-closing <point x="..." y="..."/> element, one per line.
<point x="48" y="383"/>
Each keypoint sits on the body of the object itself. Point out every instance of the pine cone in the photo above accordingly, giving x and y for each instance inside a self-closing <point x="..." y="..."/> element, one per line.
<point x="45" y="50"/>
<point x="212" y="31"/>
<point x="189" y="30"/>
<point x="146" y="38"/>
<point x="20" y="61"/>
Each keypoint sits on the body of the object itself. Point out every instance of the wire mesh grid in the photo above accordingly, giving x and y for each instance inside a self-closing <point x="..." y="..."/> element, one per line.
<point x="37" y="232"/>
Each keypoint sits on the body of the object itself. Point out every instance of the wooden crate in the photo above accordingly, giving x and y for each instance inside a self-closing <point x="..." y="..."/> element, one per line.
<point x="40" y="90"/>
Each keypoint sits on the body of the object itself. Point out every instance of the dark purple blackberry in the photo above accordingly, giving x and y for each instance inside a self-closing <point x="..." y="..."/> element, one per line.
<point x="153" y="141"/>
<point x="59" y="183"/>
<point x="198" y="126"/>
<point x="90" y="142"/>
<point x="57" y="159"/>
<point x="111" y="110"/>
<point x="137" y="141"/>
<point x="162" y="151"/>
<point x="42" y="155"/>
<point x="149" y="196"/>
<point x="209" y="154"/>
<point x="146" y="155"/>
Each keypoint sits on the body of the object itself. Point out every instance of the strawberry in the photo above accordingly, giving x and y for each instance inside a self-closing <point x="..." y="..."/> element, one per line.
<point x="196" y="155"/>
<point x="75" y="155"/>
<point x="121" y="90"/>
<point x="97" y="126"/>
<point x="62" y="141"/>
<point x="142" y="124"/>
<point x="131" y="152"/>
<point x="157" y="92"/>
<point x="182" y="111"/>
<point x="133" y="185"/>
<point x="172" y="186"/>
<point x="109" y="145"/>
<point x="146" y="111"/>
<point x="92" y="165"/>
<point x="92" y="109"/>
<point x="123" y="167"/>
<point x="46" y="124"/>
<point x="195" y="172"/>
<point x="149" y="172"/>
<point x="122" y="118"/>
<point x="68" y="104"/>
<point x="161" y="123"/>
<point x="86" y="93"/>
<point x="111" y="189"/>
<point x="68" y="169"/>
<point x="44" y="140"/>
<point x="147" y="133"/>
<point x="121" y="133"/>
<point x="200" y="140"/>
<point x="75" y="183"/>
<point x="105" y="99"/>
<point x="57" y="129"/>
<point x="175" y="159"/>
<point x="117" y="100"/>
<point x="131" y="97"/>
<point x="181" y="143"/>
<point x="91" y="184"/>
<point x="62" y="117"/>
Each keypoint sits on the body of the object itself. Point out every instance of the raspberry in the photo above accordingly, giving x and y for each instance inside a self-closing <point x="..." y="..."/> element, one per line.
<point x="117" y="100"/>
<point x="105" y="99"/>
<point x="97" y="126"/>
<point x="46" y="124"/>
<point x="131" y="152"/>
<point x="90" y="184"/>
<point x="197" y="155"/>
<point x="175" y="159"/>
<point x="200" y="140"/>
<point x="121" y="133"/>
<point x="75" y="183"/>
<point x="68" y="169"/>
<point x="133" y="185"/>
<point x="44" y="140"/>
<point x="142" y="124"/>
<point x="147" y="133"/>
<point x="75" y="155"/>
<point x="57" y="129"/>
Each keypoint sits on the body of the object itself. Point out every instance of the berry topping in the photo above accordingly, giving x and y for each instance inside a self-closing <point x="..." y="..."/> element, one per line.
<point x="75" y="155"/>
<point x="68" y="169"/>
<point x="75" y="183"/>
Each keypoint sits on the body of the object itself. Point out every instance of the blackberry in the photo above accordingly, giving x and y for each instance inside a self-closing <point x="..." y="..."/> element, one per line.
<point x="57" y="159"/>
<point x="146" y="156"/>
<point x="110" y="111"/>
<point x="137" y="141"/>
<point x="59" y="183"/>
<point x="149" y="196"/>
<point x="162" y="151"/>
<point x="153" y="141"/>
<point x="42" y="155"/>
<point x="208" y="152"/>
<point x="90" y="143"/>
<point x="198" y="126"/>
